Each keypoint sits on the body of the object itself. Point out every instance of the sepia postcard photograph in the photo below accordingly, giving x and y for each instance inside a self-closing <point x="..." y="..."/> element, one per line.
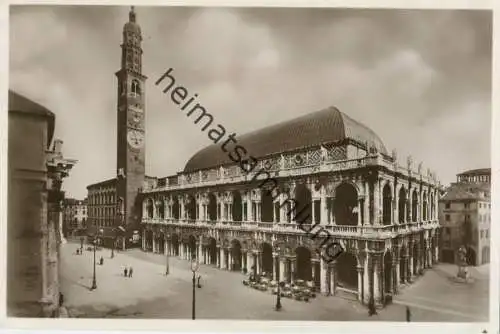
<point x="249" y="163"/>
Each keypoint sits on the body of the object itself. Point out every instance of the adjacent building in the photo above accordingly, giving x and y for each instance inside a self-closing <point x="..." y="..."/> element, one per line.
<point x="36" y="169"/>
<point x="465" y="217"/>
<point x="75" y="217"/>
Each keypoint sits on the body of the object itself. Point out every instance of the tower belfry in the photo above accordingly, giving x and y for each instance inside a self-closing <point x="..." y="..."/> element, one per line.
<point x="130" y="125"/>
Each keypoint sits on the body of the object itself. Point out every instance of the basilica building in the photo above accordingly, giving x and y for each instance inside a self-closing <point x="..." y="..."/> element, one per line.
<point x="342" y="179"/>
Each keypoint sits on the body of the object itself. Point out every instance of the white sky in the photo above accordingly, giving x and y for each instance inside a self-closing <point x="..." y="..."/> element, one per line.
<point x="420" y="79"/>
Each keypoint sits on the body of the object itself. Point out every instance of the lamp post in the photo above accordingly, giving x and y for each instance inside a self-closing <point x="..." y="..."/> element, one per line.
<point x="194" y="269"/>
<point x="81" y="245"/>
<point x="167" y="269"/>
<point x="94" y="283"/>
<point x="278" y="299"/>
<point x="113" y="247"/>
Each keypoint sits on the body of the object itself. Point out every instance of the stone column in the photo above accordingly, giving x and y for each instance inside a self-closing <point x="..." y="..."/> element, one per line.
<point x="222" y="258"/>
<point x="360" y="211"/>
<point x="360" y="270"/>
<point x="217" y="255"/>
<point x="333" y="277"/>
<point x="323" y="206"/>
<point x="282" y="269"/>
<point x="293" y="269"/>
<point x="154" y="242"/>
<point x="230" y="258"/>
<point x="376" y="203"/>
<point x="200" y="252"/>
<point x="323" y="276"/>
<point x="395" y="275"/>
<point x="144" y="240"/>
<point x="377" y="279"/>
<point x="259" y="262"/>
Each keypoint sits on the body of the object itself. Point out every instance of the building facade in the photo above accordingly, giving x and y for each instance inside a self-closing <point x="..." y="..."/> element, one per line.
<point x="465" y="217"/>
<point x="328" y="172"/>
<point x="74" y="217"/>
<point x="34" y="227"/>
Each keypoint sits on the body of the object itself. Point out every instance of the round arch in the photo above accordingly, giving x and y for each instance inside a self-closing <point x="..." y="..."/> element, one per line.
<point x="387" y="205"/>
<point x="303" y="258"/>
<point x="414" y="205"/>
<point x="347" y="271"/>
<point x="235" y="255"/>
<point x="212" y="207"/>
<point x="175" y="244"/>
<point x="345" y="204"/>
<point x="303" y="205"/>
<point x="402" y="205"/>
<point x="266" y="206"/>
<point x="150" y="208"/>
<point x="267" y="258"/>
<point x="192" y="247"/>
<point x="175" y="207"/>
<point x="190" y="207"/>
<point x="237" y="206"/>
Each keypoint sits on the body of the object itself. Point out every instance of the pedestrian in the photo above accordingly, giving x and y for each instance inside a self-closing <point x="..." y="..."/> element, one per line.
<point x="130" y="271"/>
<point x="408" y="314"/>
<point x="125" y="272"/>
<point x="61" y="299"/>
<point x="371" y="307"/>
<point x="199" y="278"/>
<point x="101" y="261"/>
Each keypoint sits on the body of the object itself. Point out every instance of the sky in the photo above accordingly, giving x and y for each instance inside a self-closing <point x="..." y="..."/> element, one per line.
<point x="421" y="79"/>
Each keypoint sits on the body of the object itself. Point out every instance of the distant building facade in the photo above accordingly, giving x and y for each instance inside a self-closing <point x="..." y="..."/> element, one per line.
<point x="34" y="224"/>
<point x="75" y="217"/>
<point x="465" y="217"/>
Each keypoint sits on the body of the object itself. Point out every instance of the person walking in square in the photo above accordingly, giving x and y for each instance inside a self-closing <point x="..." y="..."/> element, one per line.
<point x="408" y="314"/>
<point x="130" y="271"/>
<point x="125" y="272"/>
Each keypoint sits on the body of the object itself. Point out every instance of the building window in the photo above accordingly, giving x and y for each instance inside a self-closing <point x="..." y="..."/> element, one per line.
<point x="447" y="230"/>
<point x="447" y="218"/>
<point x="466" y="205"/>
<point x="136" y="88"/>
<point x="482" y="234"/>
<point x="447" y="205"/>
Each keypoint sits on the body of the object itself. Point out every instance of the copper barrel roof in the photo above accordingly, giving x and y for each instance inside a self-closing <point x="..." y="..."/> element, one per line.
<point x="324" y="126"/>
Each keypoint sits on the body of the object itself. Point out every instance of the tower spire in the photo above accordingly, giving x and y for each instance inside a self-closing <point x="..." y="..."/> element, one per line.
<point x="131" y="14"/>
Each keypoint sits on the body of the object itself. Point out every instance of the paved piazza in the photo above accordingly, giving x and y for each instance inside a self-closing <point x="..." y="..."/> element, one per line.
<point x="150" y="294"/>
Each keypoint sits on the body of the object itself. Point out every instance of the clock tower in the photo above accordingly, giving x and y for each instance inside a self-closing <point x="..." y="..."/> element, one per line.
<point x="131" y="125"/>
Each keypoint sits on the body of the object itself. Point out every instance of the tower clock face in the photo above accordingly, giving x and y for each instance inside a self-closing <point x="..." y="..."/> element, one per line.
<point x="135" y="139"/>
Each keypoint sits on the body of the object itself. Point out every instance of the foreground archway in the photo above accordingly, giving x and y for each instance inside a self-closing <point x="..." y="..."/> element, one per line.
<point x="303" y="257"/>
<point x="192" y="247"/>
<point x="267" y="259"/>
<point x="347" y="273"/>
<point x="235" y="255"/>
<point x="212" y="251"/>
<point x="175" y="245"/>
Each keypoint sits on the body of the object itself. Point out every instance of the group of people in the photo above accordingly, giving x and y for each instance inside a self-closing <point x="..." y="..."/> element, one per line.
<point x="128" y="271"/>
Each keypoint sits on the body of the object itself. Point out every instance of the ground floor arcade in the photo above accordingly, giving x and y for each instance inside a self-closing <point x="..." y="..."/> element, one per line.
<point x="366" y="268"/>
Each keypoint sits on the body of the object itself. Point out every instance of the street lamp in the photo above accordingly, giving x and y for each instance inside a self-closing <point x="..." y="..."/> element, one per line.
<point x="94" y="283"/>
<point x="167" y="269"/>
<point x="81" y="245"/>
<point x="194" y="269"/>
<point x="278" y="299"/>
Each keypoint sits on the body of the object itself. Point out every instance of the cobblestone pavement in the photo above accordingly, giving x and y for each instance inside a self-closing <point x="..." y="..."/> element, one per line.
<point x="152" y="294"/>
